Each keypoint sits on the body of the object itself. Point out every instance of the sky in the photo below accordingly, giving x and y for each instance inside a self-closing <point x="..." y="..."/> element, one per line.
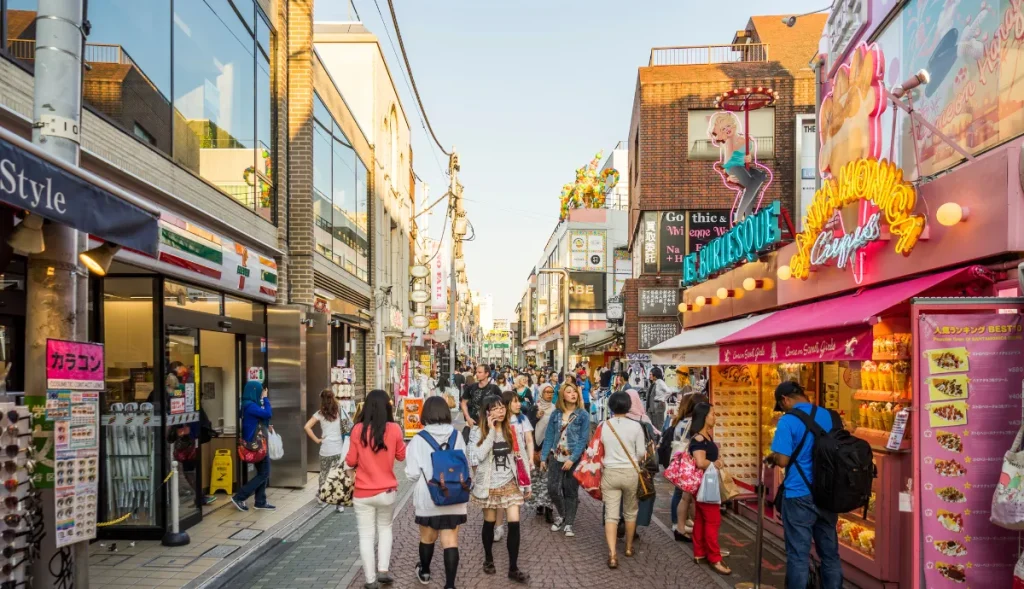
<point x="528" y="91"/>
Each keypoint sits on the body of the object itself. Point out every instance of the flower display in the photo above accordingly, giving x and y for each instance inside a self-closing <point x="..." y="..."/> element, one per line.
<point x="589" y="189"/>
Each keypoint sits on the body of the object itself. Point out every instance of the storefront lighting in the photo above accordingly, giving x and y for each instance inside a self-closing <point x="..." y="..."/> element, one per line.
<point x="460" y="264"/>
<point x="687" y="308"/>
<point x="951" y="213"/>
<point x="784" y="273"/>
<point x="700" y="301"/>
<point x="28" y="235"/>
<point x="758" y="284"/>
<point x="99" y="258"/>
<point x="729" y="293"/>
<point x="714" y="301"/>
<point x="921" y="77"/>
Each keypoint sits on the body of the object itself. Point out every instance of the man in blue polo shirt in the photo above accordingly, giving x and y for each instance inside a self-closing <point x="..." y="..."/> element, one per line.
<point x="802" y="520"/>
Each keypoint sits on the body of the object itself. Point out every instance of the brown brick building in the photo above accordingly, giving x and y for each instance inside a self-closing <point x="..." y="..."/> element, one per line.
<point x="673" y="157"/>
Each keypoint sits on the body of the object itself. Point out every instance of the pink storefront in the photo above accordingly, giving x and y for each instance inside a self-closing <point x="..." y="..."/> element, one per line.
<point x="898" y="304"/>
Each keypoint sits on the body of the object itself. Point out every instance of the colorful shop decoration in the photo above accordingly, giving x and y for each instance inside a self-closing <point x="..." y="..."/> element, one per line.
<point x="883" y="196"/>
<point x="851" y="112"/>
<point x="738" y="165"/>
<point x="588" y="192"/>
<point x="745" y="242"/>
<point x="184" y="244"/>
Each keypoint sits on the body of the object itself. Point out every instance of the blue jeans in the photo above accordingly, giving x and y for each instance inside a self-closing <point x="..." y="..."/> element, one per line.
<point x="677" y="496"/>
<point x="803" y="521"/>
<point x="257" y="484"/>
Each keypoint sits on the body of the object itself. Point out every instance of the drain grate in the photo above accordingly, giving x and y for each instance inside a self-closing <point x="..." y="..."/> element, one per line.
<point x="246" y="534"/>
<point x="219" y="551"/>
<point x="234" y="523"/>
<point x="170" y="562"/>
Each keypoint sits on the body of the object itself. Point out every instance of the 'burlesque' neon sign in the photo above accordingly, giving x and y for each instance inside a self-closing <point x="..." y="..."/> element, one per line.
<point x="747" y="240"/>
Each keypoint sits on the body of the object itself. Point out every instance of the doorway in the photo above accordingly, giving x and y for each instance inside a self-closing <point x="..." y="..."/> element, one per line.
<point x="220" y="387"/>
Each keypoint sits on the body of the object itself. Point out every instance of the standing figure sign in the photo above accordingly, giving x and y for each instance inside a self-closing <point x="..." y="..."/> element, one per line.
<point x="738" y="165"/>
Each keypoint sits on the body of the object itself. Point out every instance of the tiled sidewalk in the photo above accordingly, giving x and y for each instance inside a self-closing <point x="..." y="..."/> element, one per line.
<point x="223" y="536"/>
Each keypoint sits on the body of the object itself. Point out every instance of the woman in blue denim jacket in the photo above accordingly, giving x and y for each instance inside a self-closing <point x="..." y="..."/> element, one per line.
<point x="564" y="442"/>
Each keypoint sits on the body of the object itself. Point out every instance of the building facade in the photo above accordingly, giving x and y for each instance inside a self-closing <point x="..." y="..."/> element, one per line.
<point x="679" y="193"/>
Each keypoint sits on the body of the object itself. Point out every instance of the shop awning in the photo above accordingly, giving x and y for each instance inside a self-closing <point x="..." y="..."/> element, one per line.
<point x="833" y="329"/>
<point x="34" y="181"/>
<point x="595" y="338"/>
<point x="699" y="346"/>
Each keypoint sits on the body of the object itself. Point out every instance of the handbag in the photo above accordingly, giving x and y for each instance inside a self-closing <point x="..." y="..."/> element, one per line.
<point x="645" y="482"/>
<point x="522" y="472"/>
<point x="339" y="484"/>
<point x="710" y="486"/>
<point x="729" y="488"/>
<point x="255" y="450"/>
<point x="1008" y="498"/>
<point x="588" y="471"/>
<point x="683" y="473"/>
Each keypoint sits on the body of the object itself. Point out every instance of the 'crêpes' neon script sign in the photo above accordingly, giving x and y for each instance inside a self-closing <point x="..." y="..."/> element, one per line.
<point x="744" y="242"/>
<point x="884" y="196"/>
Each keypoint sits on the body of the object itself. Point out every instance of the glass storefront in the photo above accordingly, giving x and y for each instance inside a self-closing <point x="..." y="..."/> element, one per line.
<point x="190" y="78"/>
<point x="174" y="376"/>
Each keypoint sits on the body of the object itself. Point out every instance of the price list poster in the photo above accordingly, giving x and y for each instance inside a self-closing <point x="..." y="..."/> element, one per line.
<point x="970" y="400"/>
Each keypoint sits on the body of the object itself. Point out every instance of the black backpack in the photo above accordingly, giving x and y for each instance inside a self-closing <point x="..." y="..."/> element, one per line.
<point x="843" y="465"/>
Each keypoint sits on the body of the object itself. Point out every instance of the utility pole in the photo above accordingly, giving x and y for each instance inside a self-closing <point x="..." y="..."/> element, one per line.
<point x="455" y="206"/>
<point x="52" y="281"/>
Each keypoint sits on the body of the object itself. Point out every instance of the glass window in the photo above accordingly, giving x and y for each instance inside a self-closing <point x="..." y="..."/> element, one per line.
<point x="214" y="83"/>
<point x="264" y="124"/>
<point x="129" y="485"/>
<point x="705" y="147"/>
<point x="323" y="217"/>
<point x="193" y="298"/>
<point x="362" y="242"/>
<point x="243" y="309"/>
<point x="344" y="206"/>
<point x="179" y="384"/>
<point x="247" y="10"/>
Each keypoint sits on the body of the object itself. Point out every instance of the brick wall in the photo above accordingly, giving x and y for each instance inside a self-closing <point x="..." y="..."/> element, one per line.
<point x="631" y="291"/>
<point x="279" y="13"/>
<point x="302" y="246"/>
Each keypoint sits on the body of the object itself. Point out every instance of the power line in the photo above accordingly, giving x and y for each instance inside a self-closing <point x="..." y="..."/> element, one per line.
<point x="408" y="68"/>
<point x="405" y="78"/>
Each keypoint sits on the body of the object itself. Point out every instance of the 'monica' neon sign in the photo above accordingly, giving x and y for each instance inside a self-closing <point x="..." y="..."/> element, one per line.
<point x="746" y="241"/>
<point x="884" y="197"/>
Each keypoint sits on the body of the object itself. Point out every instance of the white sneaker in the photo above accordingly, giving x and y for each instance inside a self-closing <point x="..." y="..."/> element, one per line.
<point x="557" y="525"/>
<point x="341" y="509"/>
<point x="569" y="533"/>
<point x="499" y="533"/>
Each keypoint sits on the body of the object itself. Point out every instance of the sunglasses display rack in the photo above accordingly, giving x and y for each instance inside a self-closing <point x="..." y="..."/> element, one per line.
<point x="75" y="416"/>
<point x="130" y="454"/>
<point x="23" y="527"/>
<point x="737" y="399"/>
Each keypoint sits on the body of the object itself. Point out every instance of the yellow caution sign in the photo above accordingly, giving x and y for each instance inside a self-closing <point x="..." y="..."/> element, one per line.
<point x="221" y="473"/>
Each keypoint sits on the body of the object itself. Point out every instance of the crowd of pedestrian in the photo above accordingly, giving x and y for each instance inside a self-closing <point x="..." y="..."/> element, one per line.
<point x="526" y="434"/>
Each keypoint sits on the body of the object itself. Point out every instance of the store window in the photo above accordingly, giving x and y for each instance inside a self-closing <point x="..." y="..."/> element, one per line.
<point x="131" y="444"/>
<point x="243" y="309"/>
<point x="192" y="298"/>
<point x="219" y="121"/>
<point x="339" y="196"/>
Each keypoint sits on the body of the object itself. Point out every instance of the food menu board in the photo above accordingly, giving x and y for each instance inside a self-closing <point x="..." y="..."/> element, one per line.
<point x="971" y="394"/>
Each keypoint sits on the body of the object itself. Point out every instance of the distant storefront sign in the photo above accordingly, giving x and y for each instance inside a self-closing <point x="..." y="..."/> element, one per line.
<point x="745" y="242"/>
<point x="652" y="334"/>
<point x="587" y="291"/>
<point x="658" y="302"/>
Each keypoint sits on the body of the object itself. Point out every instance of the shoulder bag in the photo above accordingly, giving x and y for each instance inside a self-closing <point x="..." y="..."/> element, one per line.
<point x="1008" y="498"/>
<point x="591" y="466"/>
<point x="522" y="472"/>
<point x="645" y="482"/>
<point x="255" y="450"/>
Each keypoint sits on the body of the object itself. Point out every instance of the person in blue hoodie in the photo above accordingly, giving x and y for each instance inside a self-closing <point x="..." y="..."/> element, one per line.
<point x="256" y="414"/>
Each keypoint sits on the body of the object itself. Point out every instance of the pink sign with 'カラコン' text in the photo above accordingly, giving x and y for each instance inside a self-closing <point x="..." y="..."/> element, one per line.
<point x="847" y="344"/>
<point x="74" y="365"/>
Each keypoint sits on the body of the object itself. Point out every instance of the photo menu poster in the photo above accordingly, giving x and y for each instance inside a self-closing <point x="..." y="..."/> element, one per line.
<point x="971" y="373"/>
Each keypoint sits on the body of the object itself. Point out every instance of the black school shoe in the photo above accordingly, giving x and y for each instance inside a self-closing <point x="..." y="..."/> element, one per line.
<point x="518" y="576"/>
<point x="489" y="567"/>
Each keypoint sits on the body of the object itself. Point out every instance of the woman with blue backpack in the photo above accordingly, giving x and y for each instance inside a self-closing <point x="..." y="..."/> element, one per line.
<point x="439" y="502"/>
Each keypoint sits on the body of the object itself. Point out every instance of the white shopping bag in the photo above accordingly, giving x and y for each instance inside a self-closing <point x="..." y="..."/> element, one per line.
<point x="710" y="486"/>
<point x="275" y="447"/>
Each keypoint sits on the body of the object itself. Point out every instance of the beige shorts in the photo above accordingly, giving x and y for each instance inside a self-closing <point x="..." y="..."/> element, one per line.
<point x="619" y="484"/>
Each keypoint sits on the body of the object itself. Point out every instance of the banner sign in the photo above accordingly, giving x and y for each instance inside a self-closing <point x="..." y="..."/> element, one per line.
<point x="439" y="278"/>
<point x="971" y="374"/>
<point x="74" y="365"/>
<point x="704" y="226"/>
<point x="587" y="250"/>
<point x="652" y="334"/>
<point x="852" y="343"/>
<point x="586" y="291"/>
<point x="34" y="184"/>
<point x="745" y="242"/>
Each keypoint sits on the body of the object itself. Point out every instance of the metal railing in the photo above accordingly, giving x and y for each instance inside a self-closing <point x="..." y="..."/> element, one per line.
<point x="709" y="54"/>
<point x="94" y="52"/>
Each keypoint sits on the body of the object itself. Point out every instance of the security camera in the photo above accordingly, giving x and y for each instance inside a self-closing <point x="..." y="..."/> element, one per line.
<point x="789" y="21"/>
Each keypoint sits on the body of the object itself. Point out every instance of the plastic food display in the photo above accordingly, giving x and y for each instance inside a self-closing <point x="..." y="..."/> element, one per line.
<point x="737" y="405"/>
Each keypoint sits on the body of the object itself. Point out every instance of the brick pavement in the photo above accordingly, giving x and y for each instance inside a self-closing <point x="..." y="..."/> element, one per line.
<point x="552" y="560"/>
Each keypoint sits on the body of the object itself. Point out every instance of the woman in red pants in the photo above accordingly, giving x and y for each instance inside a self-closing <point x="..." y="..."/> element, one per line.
<point x="708" y="517"/>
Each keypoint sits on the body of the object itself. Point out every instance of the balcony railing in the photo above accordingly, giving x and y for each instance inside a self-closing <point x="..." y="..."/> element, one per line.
<point x="709" y="54"/>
